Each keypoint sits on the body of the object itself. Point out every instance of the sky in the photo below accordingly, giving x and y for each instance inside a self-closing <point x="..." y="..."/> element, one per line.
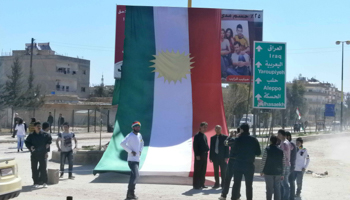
<point x="87" y="29"/>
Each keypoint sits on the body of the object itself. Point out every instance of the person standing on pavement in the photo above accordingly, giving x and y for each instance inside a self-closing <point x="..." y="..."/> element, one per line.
<point x="66" y="149"/>
<point x="219" y="154"/>
<point x="50" y="121"/>
<point x="46" y="128"/>
<point x="21" y="134"/>
<point x="230" y="141"/>
<point x="291" y="178"/>
<point x="286" y="148"/>
<point x="272" y="167"/>
<point x="200" y="148"/>
<point x="60" y="123"/>
<point x="133" y="144"/>
<point x="37" y="143"/>
<point x="245" y="149"/>
<point x="301" y="163"/>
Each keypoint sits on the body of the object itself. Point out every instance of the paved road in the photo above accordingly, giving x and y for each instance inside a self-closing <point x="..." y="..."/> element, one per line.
<point x="327" y="154"/>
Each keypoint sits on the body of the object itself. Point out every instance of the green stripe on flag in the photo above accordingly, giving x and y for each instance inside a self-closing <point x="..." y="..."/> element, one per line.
<point x="136" y="88"/>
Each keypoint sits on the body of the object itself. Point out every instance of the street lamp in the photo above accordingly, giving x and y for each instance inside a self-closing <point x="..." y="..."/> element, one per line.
<point x="342" y="72"/>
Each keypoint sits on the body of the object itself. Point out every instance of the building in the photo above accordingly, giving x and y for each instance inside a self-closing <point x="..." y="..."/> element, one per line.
<point x="56" y="74"/>
<point x="317" y="95"/>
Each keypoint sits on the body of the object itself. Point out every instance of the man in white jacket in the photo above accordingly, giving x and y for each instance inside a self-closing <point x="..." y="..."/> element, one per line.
<point x="133" y="144"/>
<point x="301" y="163"/>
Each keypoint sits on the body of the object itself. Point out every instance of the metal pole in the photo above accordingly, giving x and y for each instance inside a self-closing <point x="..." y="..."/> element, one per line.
<point x="54" y="120"/>
<point x="189" y="3"/>
<point x="107" y="120"/>
<point x="95" y="121"/>
<point x="100" y="129"/>
<point x="250" y="85"/>
<point x="88" y="120"/>
<point x="73" y="120"/>
<point x="342" y="96"/>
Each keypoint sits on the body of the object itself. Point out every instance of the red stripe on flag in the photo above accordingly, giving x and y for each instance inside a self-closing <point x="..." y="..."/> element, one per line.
<point x="204" y="36"/>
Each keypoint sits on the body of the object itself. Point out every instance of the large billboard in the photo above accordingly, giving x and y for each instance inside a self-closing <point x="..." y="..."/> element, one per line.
<point x="239" y="30"/>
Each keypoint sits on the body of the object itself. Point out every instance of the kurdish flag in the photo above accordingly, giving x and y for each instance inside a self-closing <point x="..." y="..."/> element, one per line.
<point x="170" y="82"/>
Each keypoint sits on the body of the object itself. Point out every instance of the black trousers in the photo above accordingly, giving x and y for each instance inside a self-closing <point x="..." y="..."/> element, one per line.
<point x="228" y="178"/>
<point x="200" y="168"/>
<point x="134" y="176"/>
<point x="50" y="127"/>
<point x="238" y="173"/>
<point x="220" y="162"/>
<point x="39" y="174"/>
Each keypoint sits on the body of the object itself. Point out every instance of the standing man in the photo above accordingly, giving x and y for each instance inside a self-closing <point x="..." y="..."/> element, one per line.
<point x="219" y="154"/>
<point x="133" y="144"/>
<point x="286" y="148"/>
<point x="291" y="178"/>
<point x="272" y="166"/>
<point x="302" y="162"/>
<point x="200" y="148"/>
<point x="66" y="149"/>
<point x="60" y="122"/>
<point x="37" y="143"/>
<point x="230" y="141"/>
<point x="244" y="151"/>
<point x="50" y="121"/>
<point x="15" y="122"/>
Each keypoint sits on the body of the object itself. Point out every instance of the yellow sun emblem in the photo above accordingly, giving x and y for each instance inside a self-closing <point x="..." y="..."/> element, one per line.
<point x="172" y="66"/>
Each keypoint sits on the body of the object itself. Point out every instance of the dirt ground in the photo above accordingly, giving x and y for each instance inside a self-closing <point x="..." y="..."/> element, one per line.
<point x="326" y="155"/>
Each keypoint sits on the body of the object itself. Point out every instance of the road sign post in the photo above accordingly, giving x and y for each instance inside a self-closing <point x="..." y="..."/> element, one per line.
<point x="269" y="87"/>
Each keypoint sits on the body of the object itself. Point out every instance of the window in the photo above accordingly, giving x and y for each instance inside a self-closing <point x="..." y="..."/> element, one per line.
<point x="68" y="70"/>
<point x="62" y="88"/>
<point x="84" y="71"/>
<point x="67" y="88"/>
<point x="58" y="87"/>
<point x="82" y="89"/>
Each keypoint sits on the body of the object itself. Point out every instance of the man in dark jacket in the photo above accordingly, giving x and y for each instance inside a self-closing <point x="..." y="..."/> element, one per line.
<point x="60" y="123"/>
<point x="50" y="121"/>
<point x="200" y="148"/>
<point x="244" y="151"/>
<point x="38" y="143"/>
<point x="272" y="166"/>
<point x="219" y="154"/>
<point x="293" y="155"/>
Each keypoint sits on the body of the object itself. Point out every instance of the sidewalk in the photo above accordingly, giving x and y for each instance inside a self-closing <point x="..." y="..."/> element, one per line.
<point x="6" y="138"/>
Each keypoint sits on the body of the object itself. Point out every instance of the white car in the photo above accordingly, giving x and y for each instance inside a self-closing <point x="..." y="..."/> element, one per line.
<point x="10" y="182"/>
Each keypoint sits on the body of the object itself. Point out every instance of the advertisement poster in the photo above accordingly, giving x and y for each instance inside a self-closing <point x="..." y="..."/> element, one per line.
<point x="239" y="30"/>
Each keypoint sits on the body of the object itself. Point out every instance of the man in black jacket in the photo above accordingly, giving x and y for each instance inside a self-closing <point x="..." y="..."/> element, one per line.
<point x="200" y="148"/>
<point x="50" y="121"/>
<point x="293" y="156"/>
<point x="244" y="151"/>
<point x="219" y="154"/>
<point x="38" y="143"/>
<point x="272" y="166"/>
<point x="60" y="123"/>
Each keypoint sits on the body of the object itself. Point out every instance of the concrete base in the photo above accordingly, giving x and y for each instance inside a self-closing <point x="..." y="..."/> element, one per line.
<point x="81" y="157"/>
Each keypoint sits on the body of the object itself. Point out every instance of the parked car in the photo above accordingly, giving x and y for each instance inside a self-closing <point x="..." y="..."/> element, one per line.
<point x="10" y="181"/>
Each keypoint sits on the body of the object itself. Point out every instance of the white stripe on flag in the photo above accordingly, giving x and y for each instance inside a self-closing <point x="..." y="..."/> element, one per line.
<point x="170" y="150"/>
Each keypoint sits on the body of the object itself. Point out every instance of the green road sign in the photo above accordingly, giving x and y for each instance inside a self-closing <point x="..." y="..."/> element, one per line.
<point x="269" y="88"/>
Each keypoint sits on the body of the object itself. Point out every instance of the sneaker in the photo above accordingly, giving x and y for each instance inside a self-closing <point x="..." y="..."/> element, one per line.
<point x="17" y="150"/>
<point x="131" y="197"/>
<point x="71" y="177"/>
<point x="222" y="198"/>
<point x="204" y="186"/>
<point x="36" y="186"/>
<point x="216" y="186"/>
<point x="45" y="185"/>
<point x="21" y="149"/>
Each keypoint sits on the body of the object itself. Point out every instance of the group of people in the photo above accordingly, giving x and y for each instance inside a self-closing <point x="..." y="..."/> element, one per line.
<point x="38" y="143"/>
<point x="235" y="59"/>
<point x="282" y="164"/>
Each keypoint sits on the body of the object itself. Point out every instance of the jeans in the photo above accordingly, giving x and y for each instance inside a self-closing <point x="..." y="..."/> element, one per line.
<point x="20" y="141"/>
<point x="39" y="175"/>
<point x="223" y="165"/>
<point x="291" y="180"/>
<point x="69" y="156"/>
<point x="200" y="168"/>
<point x="134" y="176"/>
<point x="299" y="177"/>
<point x="285" y="185"/>
<point x="238" y="173"/>
<point x="273" y="187"/>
